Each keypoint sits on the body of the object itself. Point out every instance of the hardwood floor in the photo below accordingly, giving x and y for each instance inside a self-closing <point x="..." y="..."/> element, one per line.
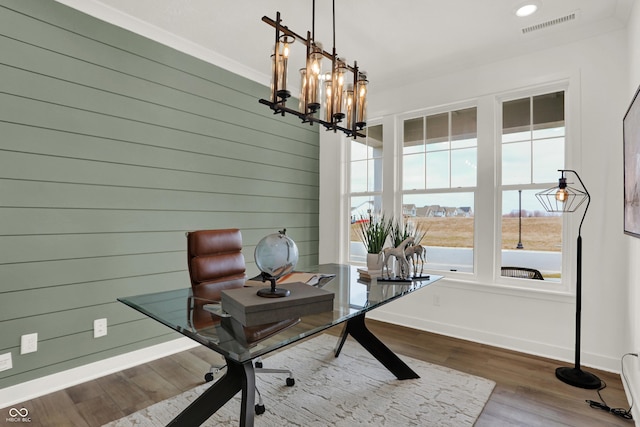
<point x="526" y="394"/>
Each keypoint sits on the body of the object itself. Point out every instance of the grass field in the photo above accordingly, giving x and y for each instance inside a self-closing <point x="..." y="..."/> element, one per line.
<point x="538" y="233"/>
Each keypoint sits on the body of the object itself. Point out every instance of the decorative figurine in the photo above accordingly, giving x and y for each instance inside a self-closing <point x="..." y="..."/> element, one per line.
<point x="398" y="253"/>
<point x="416" y="253"/>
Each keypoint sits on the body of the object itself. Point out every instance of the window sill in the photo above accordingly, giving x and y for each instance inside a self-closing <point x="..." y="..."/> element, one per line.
<point x="457" y="282"/>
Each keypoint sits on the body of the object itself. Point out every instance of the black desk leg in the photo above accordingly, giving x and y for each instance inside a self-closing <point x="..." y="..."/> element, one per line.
<point x="239" y="376"/>
<point x="358" y="330"/>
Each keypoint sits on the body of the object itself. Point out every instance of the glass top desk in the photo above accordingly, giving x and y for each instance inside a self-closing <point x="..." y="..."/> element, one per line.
<point x="182" y="311"/>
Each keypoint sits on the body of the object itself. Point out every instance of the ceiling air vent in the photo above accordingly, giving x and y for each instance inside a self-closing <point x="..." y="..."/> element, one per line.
<point x="567" y="18"/>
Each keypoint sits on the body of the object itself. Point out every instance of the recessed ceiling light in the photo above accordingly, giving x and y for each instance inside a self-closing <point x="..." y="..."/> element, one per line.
<point x="526" y="9"/>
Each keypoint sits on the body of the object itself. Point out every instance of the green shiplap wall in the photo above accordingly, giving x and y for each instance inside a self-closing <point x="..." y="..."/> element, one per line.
<point x="111" y="147"/>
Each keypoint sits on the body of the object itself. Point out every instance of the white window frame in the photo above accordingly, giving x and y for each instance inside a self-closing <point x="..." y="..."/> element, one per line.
<point x="399" y="191"/>
<point x="488" y="194"/>
<point x="568" y="245"/>
<point x="349" y="194"/>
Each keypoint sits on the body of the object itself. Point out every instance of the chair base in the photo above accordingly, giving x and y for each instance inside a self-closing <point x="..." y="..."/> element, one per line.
<point x="259" y="407"/>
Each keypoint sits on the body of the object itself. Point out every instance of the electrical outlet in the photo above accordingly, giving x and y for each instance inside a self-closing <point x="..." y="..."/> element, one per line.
<point x="99" y="328"/>
<point x="29" y="343"/>
<point x="5" y="362"/>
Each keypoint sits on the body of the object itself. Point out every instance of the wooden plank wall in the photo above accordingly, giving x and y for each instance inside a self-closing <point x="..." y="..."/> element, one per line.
<point x="111" y="147"/>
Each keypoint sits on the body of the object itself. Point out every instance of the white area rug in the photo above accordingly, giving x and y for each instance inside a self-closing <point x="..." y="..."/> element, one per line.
<point x="353" y="389"/>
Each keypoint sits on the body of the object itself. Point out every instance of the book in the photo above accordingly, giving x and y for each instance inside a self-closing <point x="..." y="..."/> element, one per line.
<point x="244" y="305"/>
<point x="313" y="279"/>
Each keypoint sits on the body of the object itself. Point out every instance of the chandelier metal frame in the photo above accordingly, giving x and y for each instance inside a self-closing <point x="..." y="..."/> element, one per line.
<point x="344" y="104"/>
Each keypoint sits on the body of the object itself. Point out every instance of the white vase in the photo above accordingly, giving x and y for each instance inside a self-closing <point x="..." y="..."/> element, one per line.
<point x="374" y="262"/>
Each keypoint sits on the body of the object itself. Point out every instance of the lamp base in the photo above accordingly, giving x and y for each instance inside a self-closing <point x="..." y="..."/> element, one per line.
<point x="578" y="378"/>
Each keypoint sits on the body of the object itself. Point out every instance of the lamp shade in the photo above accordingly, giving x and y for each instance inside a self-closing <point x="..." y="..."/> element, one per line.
<point x="562" y="198"/>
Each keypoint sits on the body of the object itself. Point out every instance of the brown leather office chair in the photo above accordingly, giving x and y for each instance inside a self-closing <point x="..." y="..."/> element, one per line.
<point x="216" y="263"/>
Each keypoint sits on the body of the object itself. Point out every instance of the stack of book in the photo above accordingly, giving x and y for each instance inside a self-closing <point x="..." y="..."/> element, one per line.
<point x="366" y="275"/>
<point x="249" y="309"/>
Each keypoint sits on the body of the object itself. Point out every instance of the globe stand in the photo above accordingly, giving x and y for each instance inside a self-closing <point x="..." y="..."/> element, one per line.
<point x="272" y="292"/>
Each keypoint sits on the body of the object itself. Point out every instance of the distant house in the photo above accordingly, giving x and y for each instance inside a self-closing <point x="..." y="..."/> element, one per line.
<point x="361" y="211"/>
<point x="409" y="210"/>
<point x="434" y="211"/>
<point x="437" y="211"/>
<point x="465" y="211"/>
<point x="450" y="212"/>
<point x="422" y="212"/>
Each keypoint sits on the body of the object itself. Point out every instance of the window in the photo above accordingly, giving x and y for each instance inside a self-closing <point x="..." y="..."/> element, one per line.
<point x="439" y="175"/>
<point x="471" y="189"/>
<point x="533" y="146"/>
<point x="365" y="167"/>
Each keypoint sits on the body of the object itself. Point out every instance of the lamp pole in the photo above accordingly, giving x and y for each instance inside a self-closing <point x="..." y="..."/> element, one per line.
<point x="565" y="198"/>
<point x="576" y="376"/>
<point x="519" y="220"/>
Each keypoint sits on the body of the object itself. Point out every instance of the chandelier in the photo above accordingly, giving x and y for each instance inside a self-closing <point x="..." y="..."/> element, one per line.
<point x="336" y="99"/>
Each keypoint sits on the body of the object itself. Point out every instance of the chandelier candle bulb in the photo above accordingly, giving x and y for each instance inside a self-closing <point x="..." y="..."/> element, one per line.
<point x="272" y="94"/>
<point x="338" y="92"/>
<point x="302" y="104"/>
<point x="361" y="109"/>
<point x="328" y="105"/>
<point x="314" y="70"/>
<point x="280" y="67"/>
<point x="349" y="103"/>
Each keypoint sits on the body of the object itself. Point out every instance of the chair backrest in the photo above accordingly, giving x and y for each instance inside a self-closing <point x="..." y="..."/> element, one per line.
<point x="215" y="261"/>
<point x="522" y="273"/>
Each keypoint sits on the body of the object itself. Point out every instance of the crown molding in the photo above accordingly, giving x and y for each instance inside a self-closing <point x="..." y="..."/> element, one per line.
<point x="120" y="19"/>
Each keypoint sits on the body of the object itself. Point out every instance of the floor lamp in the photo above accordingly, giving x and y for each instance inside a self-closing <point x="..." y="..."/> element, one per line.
<point x="565" y="198"/>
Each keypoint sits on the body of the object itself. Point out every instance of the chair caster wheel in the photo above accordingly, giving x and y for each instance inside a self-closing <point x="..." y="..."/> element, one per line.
<point x="290" y="382"/>
<point x="258" y="364"/>
<point x="260" y="409"/>
<point x="208" y="377"/>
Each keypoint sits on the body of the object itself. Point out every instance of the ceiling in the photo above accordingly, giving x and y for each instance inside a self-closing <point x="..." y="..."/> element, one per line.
<point x="392" y="41"/>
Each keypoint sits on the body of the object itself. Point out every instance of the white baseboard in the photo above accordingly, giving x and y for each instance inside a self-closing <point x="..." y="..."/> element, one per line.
<point x="511" y="343"/>
<point x="39" y="387"/>
<point x="630" y="382"/>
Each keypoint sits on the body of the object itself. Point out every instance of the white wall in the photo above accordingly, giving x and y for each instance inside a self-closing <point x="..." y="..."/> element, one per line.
<point x="540" y="324"/>
<point x="632" y="365"/>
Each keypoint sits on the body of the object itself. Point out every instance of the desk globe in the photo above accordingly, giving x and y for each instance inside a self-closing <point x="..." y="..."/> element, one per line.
<point x="275" y="255"/>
